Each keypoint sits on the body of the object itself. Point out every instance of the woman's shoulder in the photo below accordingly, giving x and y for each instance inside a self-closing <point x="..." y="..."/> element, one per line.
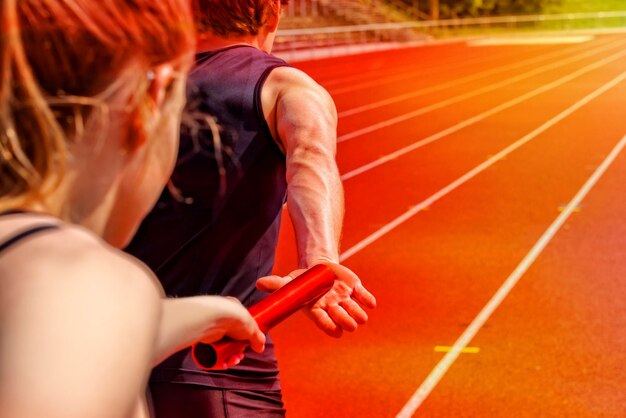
<point x="69" y="256"/>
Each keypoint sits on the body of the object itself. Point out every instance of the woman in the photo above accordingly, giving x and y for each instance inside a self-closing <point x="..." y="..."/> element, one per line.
<point x="90" y="98"/>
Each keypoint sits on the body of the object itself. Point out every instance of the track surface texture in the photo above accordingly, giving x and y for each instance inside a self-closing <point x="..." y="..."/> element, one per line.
<point x="486" y="210"/>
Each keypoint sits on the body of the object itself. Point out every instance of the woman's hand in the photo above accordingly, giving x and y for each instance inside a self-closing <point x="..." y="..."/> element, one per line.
<point x="234" y="322"/>
<point x="207" y="319"/>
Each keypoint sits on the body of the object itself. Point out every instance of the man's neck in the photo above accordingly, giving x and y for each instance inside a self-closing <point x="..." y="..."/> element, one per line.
<point x="208" y="42"/>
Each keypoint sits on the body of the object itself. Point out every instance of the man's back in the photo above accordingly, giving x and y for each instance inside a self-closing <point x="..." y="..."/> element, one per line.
<point x="215" y="230"/>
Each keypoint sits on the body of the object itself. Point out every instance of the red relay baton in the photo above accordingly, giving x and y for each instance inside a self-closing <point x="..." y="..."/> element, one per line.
<point x="269" y="312"/>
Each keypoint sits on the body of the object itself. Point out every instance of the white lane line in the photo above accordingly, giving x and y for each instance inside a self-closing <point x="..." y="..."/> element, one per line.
<point x="458" y="81"/>
<point x="474" y="119"/>
<point x="478" y="169"/>
<point x="444" y="364"/>
<point x="470" y="94"/>
<point x="371" y="77"/>
<point x="407" y="73"/>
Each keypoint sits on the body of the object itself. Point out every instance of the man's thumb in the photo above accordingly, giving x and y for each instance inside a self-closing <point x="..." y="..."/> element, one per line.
<point x="271" y="283"/>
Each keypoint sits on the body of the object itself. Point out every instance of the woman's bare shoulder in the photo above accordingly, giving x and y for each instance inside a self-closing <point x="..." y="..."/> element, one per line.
<point x="70" y="256"/>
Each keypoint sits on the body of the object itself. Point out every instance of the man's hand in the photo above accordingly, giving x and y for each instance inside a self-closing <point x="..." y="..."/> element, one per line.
<point x="340" y="309"/>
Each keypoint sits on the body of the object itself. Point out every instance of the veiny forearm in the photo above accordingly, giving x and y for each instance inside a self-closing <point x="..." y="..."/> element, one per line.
<point x="306" y="120"/>
<point x="315" y="202"/>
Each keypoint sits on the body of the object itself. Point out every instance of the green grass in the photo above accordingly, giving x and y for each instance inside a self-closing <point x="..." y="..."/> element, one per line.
<point x="582" y="6"/>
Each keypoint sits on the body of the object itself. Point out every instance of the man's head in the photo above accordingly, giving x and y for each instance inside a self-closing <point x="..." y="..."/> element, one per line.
<point x="237" y="18"/>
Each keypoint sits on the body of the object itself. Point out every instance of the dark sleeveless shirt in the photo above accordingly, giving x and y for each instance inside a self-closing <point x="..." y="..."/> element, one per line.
<point x="216" y="232"/>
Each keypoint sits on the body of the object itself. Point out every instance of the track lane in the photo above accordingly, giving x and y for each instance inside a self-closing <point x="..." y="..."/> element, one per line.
<point x="385" y="88"/>
<point x="561" y="330"/>
<point x="463" y="75"/>
<point x="361" y="150"/>
<point x="442" y="266"/>
<point x="340" y="72"/>
<point x="382" y="380"/>
<point x="420" y="174"/>
<point x="464" y="89"/>
<point x="555" y="346"/>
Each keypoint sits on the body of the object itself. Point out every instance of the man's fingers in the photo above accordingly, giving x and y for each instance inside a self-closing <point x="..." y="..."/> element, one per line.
<point x="355" y="311"/>
<point x="325" y="323"/>
<point x="350" y="279"/>
<point x="342" y="318"/>
<point x="272" y="283"/>
<point x="363" y="296"/>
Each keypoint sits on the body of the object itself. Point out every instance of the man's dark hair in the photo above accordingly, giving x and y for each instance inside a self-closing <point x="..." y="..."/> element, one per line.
<point x="233" y="17"/>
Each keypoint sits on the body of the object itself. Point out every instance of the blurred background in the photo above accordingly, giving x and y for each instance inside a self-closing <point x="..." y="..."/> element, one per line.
<point x="320" y="24"/>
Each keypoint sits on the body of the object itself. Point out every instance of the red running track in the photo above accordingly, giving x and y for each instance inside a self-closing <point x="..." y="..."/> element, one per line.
<point x="462" y="165"/>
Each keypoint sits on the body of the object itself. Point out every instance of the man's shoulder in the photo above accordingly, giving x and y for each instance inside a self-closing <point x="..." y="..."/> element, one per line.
<point x="290" y="81"/>
<point x="290" y="77"/>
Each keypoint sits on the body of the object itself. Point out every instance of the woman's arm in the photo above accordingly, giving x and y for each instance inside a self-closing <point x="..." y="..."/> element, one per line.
<point x="185" y="321"/>
<point x="81" y="325"/>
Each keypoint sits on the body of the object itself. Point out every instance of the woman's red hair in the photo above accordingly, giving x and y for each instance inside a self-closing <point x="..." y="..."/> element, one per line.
<point x="56" y="49"/>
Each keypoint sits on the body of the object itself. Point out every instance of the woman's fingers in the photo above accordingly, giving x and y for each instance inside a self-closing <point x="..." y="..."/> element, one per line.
<point x="257" y="341"/>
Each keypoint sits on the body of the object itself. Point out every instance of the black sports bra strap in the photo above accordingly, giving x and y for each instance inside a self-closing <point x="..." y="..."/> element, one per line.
<point x="21" y="235"/>
<point x="12" y="212"/>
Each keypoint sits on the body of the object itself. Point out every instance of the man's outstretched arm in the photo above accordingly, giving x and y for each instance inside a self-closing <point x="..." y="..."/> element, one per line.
<point x="305" y="122"/>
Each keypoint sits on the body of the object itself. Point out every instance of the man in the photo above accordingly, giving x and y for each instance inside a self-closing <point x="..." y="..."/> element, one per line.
<point x="215" y="228"/>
